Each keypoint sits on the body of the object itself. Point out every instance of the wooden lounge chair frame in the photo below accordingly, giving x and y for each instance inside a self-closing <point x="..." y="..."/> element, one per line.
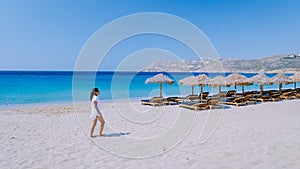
<point x="250" y="99"/>
<point x="239" y="101"/>
<point x="187" y="98"/>
<point x="230" y="93"/>
<point x="267" y="99"/>
<point x="195" y="106"/>
<point x="155" y="101"/>
<point x="288" y="95"/>
<point x="214" y="103"/>
<point x="172" y="100"/>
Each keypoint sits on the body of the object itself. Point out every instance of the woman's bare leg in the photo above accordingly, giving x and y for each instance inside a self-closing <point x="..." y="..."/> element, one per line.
<point x="93" y="127"/>
<point x="101" y="120"/>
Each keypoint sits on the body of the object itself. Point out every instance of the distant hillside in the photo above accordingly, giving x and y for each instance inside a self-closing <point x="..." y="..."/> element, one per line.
<point x="286" y="63"/>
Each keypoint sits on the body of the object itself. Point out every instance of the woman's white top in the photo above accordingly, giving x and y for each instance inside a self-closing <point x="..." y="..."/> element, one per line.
<point x="94" y="113"/>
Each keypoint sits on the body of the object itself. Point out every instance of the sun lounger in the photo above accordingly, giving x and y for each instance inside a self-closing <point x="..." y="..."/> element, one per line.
<point x="214" y="103"/>
<point x="288" y="95"/>
<point x="230" y="93"/>
<point x="235" y="101"/>
<point x="267" y="98"/>
<point x="155" y="101"/>
<point x="251" y="92"/>
<point x="264" y="99"/>
<point x="204" y="95"/>
<point x="187" y="98"/>
<point x="287" y="90"/>
<point x="250" y="99"/>
<point x="194" y="105"/>
<point x="239" y="95"/>
<point x="172" y="100"/>
<point x="219" y="95"/>
<point x="204" y="98"/>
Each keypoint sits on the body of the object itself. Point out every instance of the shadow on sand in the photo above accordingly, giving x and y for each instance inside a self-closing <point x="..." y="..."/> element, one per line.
<point x="115" y="134"/>
<point x="225" y="107"/>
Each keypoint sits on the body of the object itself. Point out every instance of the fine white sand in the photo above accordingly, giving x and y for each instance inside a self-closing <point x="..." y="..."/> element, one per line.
<point x="55" y="136"/>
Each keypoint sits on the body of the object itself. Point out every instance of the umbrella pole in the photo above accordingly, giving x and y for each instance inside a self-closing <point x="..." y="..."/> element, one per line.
<point x="261" y="89"/>
<point x="201" y="89"/>
<point x="192" y="89"/>
<point x="219" y="88"/>
<point x="280" y="87"/>
<point x="243" y="89"/>
<point x="160" y="87"/>
<point x="201" y="93"/>
<point x="235" y="89"/>
<point x="295" y="85"/>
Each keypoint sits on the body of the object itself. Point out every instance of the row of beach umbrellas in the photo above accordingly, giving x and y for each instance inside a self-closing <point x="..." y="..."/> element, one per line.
<point x="235" y="79"/>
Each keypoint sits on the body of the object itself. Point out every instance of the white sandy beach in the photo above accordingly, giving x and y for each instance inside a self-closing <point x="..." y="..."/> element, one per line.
<point x="256" y="136"/>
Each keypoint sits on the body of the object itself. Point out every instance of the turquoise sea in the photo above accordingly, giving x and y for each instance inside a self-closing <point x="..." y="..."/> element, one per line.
<point x="31" y="87"/>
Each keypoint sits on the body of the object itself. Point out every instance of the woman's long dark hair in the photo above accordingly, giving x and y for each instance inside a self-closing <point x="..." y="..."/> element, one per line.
<point x="94" y="90"/>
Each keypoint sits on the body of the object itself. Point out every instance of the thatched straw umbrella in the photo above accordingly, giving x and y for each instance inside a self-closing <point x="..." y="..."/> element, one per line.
<point x="238" y="79"/>
<point x="190" y="81"/>
<point x="281" y="78"/>
<point x="219" y="81"/>
<point x="160" y="78"/>
<point x="203" y="80"/>
<point x="295" y="78"/>
<point x="261" y="79"/>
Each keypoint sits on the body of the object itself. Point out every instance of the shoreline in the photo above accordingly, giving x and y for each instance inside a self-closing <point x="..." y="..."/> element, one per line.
<point x="71" y="104"/>
<point x="59" y="104"/>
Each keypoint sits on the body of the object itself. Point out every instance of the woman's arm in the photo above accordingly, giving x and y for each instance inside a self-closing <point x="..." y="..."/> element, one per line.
<point x="96" y="107"/>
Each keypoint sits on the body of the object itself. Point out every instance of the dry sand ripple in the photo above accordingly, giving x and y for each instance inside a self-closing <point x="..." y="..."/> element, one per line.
<point x="256" y="136"/>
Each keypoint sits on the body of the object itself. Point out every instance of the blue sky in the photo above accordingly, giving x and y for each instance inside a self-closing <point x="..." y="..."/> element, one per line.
<point x="49" y="35"/>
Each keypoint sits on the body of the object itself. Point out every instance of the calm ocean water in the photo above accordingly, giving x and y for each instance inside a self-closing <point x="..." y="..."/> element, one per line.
<point x="31" y="87"/>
